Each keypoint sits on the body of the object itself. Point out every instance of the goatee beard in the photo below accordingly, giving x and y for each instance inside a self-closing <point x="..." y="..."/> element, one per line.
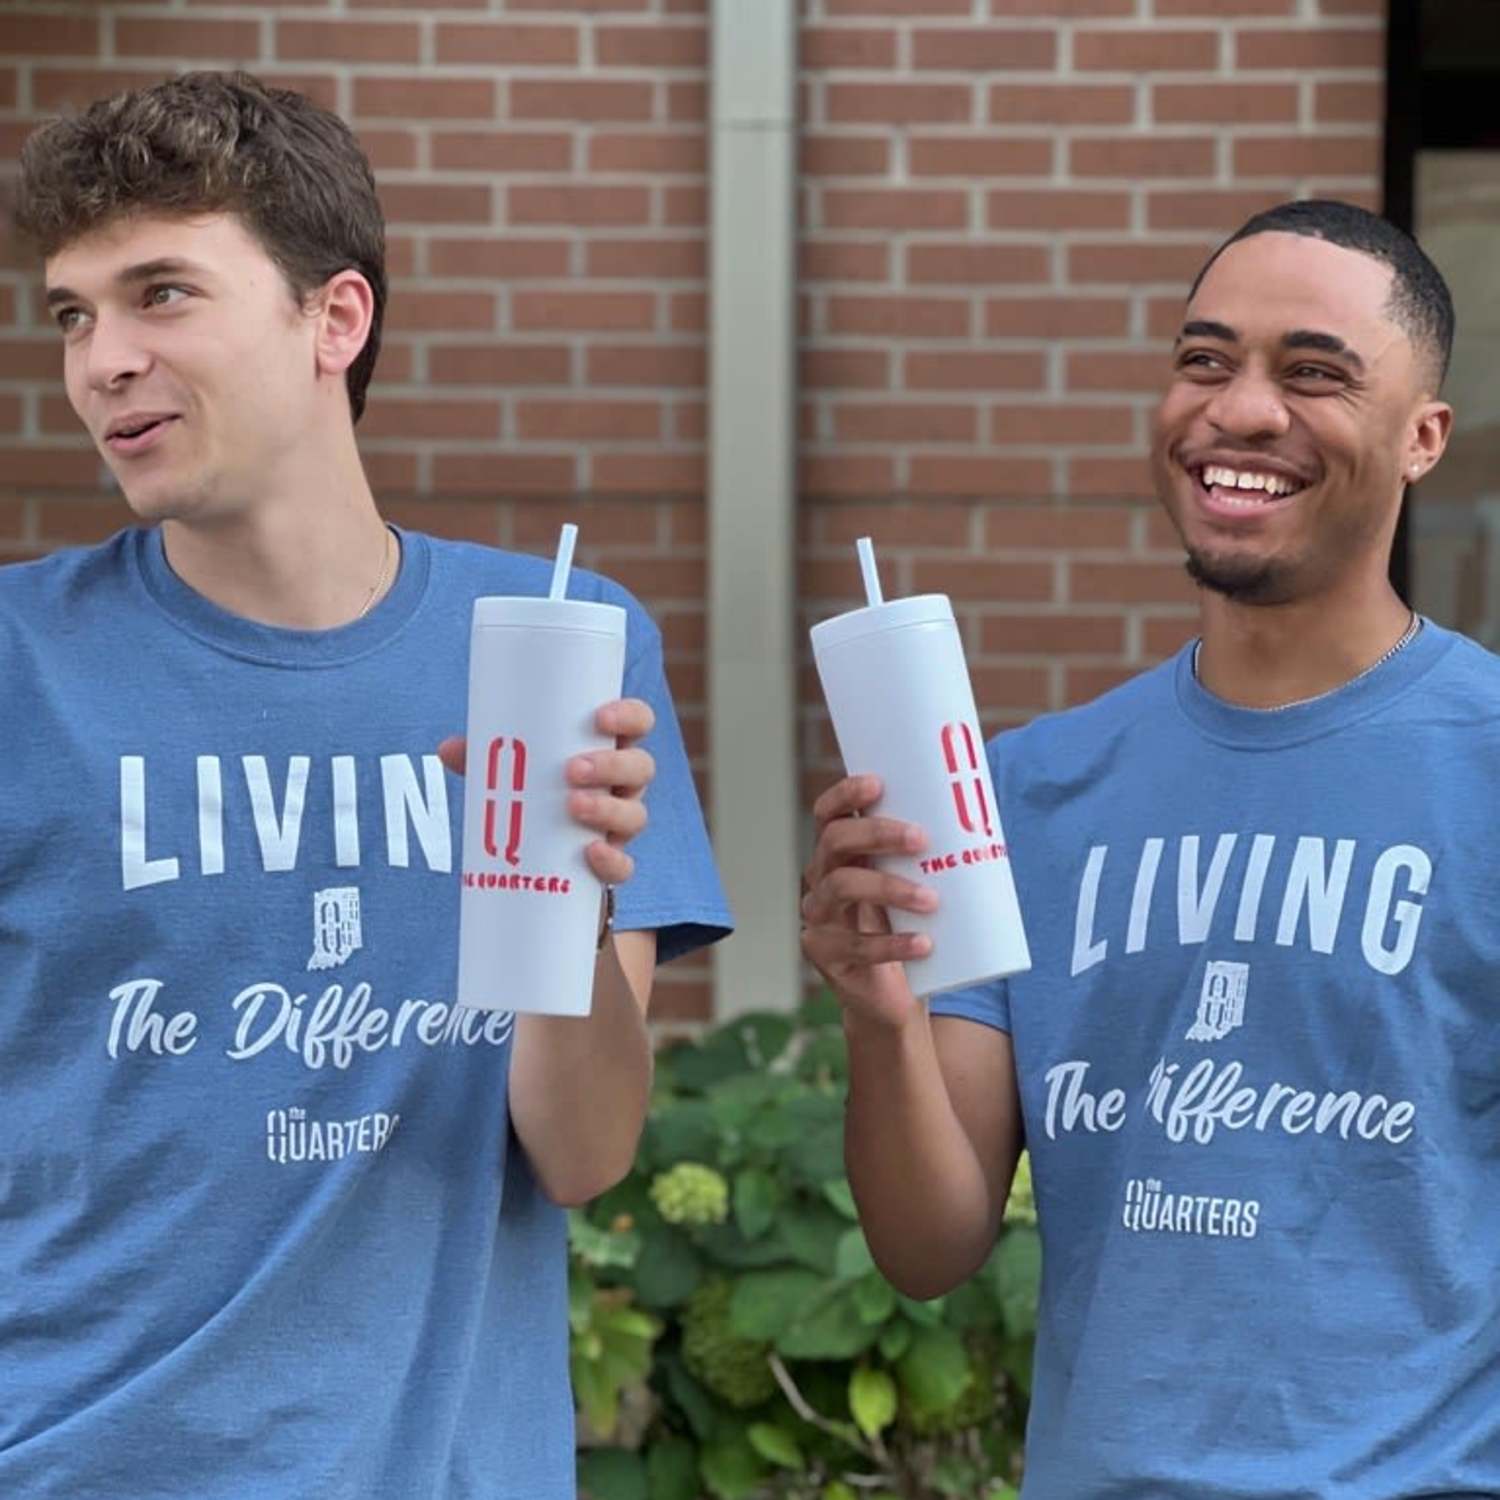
<point x="1247" y="581"/>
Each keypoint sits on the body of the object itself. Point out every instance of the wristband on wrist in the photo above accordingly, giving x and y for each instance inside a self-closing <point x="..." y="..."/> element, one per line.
<point x="606" y="918"/>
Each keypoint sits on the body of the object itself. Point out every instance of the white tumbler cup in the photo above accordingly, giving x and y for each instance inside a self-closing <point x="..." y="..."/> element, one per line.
<point x="539" y="671"/>
<point x="903" y="709"/>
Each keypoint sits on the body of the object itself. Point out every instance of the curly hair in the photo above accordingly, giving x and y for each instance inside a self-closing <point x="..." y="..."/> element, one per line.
<point x="289" y="170"/>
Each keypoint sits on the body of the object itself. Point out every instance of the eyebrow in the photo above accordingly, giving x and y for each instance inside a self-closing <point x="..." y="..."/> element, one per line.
<point x="146" y="270"/>
<point x="1298" y="338"/>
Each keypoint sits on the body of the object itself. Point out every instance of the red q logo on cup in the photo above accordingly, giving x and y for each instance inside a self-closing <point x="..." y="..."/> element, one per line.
<point x="966" y="775"/>
<point x="492" y="798"/>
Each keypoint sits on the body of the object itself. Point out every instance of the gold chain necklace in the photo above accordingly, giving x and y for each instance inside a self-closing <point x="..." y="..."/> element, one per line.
<point x="385" y="564"/>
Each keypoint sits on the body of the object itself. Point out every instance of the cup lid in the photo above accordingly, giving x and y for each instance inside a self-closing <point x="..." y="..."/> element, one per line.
<point x="549" y="614"/>
<point x="920" y="609"/>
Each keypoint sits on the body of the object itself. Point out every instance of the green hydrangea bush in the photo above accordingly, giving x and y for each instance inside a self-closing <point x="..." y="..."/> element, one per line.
<point x="731" y="1337"/>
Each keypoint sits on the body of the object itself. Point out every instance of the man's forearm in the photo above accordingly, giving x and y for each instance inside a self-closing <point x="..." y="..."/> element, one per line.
<point x="925" y="1205"/>
<point x="579" y="1086"/>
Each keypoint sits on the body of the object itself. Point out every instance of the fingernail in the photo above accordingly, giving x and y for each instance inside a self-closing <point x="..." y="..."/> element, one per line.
<point x="913" y="838"/>
<point x="921" y="945"/>
<point x="580" y="765"/>
<point x="926" y="900"/>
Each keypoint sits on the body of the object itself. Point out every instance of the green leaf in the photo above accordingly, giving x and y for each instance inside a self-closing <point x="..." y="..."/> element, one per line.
<point x="875" y="1298"/>
<point x="838" y="1193"/>
<point x="772" y="1129"/>
<point x="613" y="1474"/>
<point x="872" y="1400"/>
<point x="692" y="1400"/>
<point x="598" y="1396"/>
<point x="821" y="1009"/>
<point x="895" y="1339"/>
<point x="764" y="1304"/>
<point x="720" y="1055"/>
<point x="817" y="1155"/>
<point x="725" y="1244"/>
<point x="684" y="1131"/>
<point x="730" y="1467"/>
<point x="764" y="1035"/>
<point x="1016" y="1358"/>
<point x="836" y="1489"/>
<point x="853" y="1258"/>
<point x="1018" y="1272"/>
<point x="672" y="1470"/>
<point x="755" y="1198"/>
<point x="668" y="1270"/>
<point x="736" y="1101"/>
<point x="973" y="1304"/>
<point x="924" y="1314"/>
<point x="830" y="1328"/>
<point x="935" y="1369"/>
<point x="825" y="1055"/>
<point x="812" y="1234"/>
<point x="776" y="1444"/>
<point x="601" y="1247"/>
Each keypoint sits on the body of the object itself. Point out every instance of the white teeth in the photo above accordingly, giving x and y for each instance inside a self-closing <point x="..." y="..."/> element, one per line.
<point x="1217" y="476"/>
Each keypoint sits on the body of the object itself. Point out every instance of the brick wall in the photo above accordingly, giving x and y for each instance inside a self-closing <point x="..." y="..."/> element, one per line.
<point x="1001" y="202"/>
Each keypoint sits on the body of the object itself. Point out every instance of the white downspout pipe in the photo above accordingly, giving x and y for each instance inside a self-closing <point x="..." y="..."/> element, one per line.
<point x="752" y="696"/>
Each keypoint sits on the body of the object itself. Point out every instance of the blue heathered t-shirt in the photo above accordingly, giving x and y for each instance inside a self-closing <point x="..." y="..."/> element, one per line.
<point x="1259" y="1063"/>
<point x="264" y="1230"/>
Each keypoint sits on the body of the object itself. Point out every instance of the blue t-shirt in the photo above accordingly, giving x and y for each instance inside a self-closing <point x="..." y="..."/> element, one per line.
<point x="264" y="1230"/>
<point x="1259" y="1065"/>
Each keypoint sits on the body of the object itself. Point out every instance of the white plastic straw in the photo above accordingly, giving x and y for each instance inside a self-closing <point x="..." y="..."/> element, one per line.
<point x="866" y="550"/>
<point x="564" y="564"/>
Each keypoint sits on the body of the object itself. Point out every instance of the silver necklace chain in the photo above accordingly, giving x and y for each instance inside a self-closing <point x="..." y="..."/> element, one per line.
<point x="1410" y="634"/>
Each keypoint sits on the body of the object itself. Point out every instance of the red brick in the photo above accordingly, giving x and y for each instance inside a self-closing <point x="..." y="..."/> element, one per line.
<point x="1113" y="477"/>
<point x="984" y="48"/>
<point x="396" y="364"/>
<point x="844" y="369"/>
<point x="1014" y="687"/>
<point x="1061" y="9"/>
<point x="1061" y="104"/>
<point x="979" y="475"/>
<point x="687" y="103"/>
<point x="501" y="151"/>
<point x="1285" y="156"/>
<point x="583" y="311"/>
<point x="35" y="35"/>
<point x="580" y="5"/>
<point x="1128" y="583"/>
<point x="929" y="523"/>
<point x="684" y="206"/>
<point x="54" y="89"/>
<point x="687" y="312"/>
<point x="674" y="259"/>
<point x="979" y="156"/>
<point x="1352" y="103"/>
<point x="1056" y="528"/>
<point x="85" y="521"/>
<point x="680" y="152"/>
<point x="1134" y="157"/>
<point x="1051" y="635"/>
<point x="10" y="416"/>
<point x="474" y="44"/>
<point x="1161" y="533"/>
<point x="690" y="421"/>
<point x="535" y="523"/>
<point x="1084" y="684"/>
<point x="500" y="364"/>
<point x="544" y="421"/>
<point x="998" y="582"/>
<point x="321" y="88"/>
<point x="648" y="364"/>
<point x="460" y="520"/>
<point x="1319" y="47"/>
<point x="1010" y="209"/>
<point x="7" y="304"/>
<point x="1165" y="635"/>
<point x="1352" y="7"/>
<point x="1115" y="370"/>
<point x="651" y="46"/>
<point x="458" y="312"/>
<point x="846" y="47"/>
<point x="896" y="7"/>
<point x="895" y="208"/>
<point x="968" y="264"/>
<point x="901" y="422"/>
<point x="1371" y="199"/>
<point x="968" y="369"/>
<point x="649" y="473"/>
<point x="1135" y="261"/>
<point x="58" y="417"/>
<point x="345" y="41"/>
<point x="400" y="256"/>
<point x="1164" y="316"/>
<point x="51" y="468"/>
<point x="899" y="103"/>
<point x="508" y="258"/>
<point x="32" y="359"/>
<point x="900" y="317"/>
<point x="1056" y="317"/>
<point x="1062" y="426"/>
<point x="423" y="98"/>
<point x="846" y="474"/>
<point x="503" y="473"/>
<point x="843" y="260"/>
<point x="1223" y="103"/>
<point x="1204" y="208"/>
<point x="237" y="41"/>
<point x="577" y="203"/>
<point x="435" y="203"/>
<point x="659" y="577"/>
<point x="389" y="150"/>
<point x="433" y="420"/>
<point x="580" y="99"/>
<point x="843" y="156"/>
<point x="1148" y="50"/>
<point x="1220" y="10"/>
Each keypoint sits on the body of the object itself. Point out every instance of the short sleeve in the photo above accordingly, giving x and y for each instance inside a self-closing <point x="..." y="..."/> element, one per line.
<point x="989" y="1004"/>
<point x="675" y="890"/>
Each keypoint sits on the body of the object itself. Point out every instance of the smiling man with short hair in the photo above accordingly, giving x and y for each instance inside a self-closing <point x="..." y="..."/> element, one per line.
<point x="1255" y="1063"/>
